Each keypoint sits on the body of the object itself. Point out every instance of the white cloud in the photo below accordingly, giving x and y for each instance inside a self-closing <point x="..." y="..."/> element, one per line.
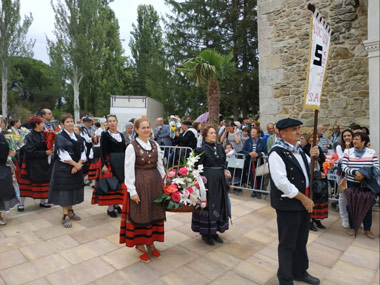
<point x="43" y="21"/>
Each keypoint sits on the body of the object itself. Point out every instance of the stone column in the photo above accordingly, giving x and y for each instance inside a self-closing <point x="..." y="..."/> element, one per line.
<point x="372" y="46"/>
<point x="270" y="69"/>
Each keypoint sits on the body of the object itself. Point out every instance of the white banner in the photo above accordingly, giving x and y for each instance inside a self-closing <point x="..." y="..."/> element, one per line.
<point x="320" y="34"/>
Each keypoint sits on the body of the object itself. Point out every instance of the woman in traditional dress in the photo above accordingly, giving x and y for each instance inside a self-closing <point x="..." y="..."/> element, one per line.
<point x="142" y="221"/>
<point x="35" y="170"/>
<point x="67" y="186"/>
<point x="8" y="197"/>
<point x="321" y="207"/>
<point x="112" y="146"/>
<point x="213" y="218"/>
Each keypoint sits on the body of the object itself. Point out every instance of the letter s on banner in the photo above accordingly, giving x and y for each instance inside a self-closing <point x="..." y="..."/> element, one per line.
<point x="319" y="45"/>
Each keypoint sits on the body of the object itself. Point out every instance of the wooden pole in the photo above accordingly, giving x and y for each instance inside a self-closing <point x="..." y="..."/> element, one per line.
<point x="313" y="158"/>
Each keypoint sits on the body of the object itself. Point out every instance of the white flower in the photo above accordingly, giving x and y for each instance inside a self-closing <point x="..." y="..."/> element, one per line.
<point x="178" y="181"/>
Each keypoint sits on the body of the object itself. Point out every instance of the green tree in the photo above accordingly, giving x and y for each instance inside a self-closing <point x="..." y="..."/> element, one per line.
<point x="12" y="41"/>
<point x="77" y="32"/>
<point x="148" y="54"/>
<point x="222" y="26"/>
<point x="212" y="67"/>
<point x="33" y="82"/>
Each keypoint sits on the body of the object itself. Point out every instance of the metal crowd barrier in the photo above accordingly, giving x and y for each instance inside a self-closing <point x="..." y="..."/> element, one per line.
<point x="174" y="155"/>
<point x="243" y="176"/>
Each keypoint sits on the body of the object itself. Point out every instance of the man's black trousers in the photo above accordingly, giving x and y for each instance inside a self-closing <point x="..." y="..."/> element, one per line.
<point x="293" y="233"/>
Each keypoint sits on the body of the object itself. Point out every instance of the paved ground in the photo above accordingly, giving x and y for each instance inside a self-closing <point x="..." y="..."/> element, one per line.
<point x="36" y="249"/>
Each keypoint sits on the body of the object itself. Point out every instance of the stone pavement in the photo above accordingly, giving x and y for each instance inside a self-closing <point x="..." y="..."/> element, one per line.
<point x="36" y="249"/>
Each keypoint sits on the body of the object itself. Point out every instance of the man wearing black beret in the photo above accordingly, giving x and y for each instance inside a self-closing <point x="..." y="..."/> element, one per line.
<point x="187" y="138"/>
<point x="289" y="176"/>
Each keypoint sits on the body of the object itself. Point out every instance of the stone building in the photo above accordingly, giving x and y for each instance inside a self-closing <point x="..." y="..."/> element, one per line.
<point x="352" y="80"/>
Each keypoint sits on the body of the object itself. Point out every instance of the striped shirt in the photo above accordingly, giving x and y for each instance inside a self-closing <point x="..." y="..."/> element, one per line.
<point x="351" y="163"/>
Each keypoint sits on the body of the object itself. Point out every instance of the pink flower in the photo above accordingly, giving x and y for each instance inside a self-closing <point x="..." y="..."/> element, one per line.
<point x="190" y="189"/>
<point x="170" y="189"/>
<point x="171" y="174"/>
<point x="176" y="197"/>
<point x="186" y="193"/>
<point x="183" y="171"/>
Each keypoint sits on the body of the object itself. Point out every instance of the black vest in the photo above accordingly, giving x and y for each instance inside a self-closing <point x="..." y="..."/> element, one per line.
<point x="295" y="176"/>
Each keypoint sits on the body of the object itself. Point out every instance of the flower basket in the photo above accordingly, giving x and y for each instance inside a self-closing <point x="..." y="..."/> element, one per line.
<point x="183" y="187"/>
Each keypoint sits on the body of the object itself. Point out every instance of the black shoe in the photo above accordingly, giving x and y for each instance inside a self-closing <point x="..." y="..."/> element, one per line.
<point x="258" y="196"/>
<point x="253" y="195"/>
<point x="217" y="238"/>
<point x="308" y="279"/>
<point x="118" y="209"/>
<point x="112" y="214"/>
<point x="319" y="224"/>
<point x="312" y="227"/>
<point x="238" y="191"/>
<point x="45" y="205"/>
<point x="208" y="240"/>
<point x="20" y="208"/>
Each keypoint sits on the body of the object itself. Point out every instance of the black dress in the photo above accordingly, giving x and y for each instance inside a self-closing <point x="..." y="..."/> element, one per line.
<point x="321" y="207"/>
<point x="8" y="197"/>
<point x="215" y="216"/>
<point x="67" y="189"/>
<point x="35" y="170"/>
<point x="110" y="147"/>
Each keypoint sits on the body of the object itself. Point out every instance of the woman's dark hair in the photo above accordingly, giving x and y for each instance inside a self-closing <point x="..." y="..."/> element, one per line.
<point x="138" y="123"/>
<point x="34" y="120"/>
<point x="205" y="130"/>
<point x="66" y="116"/>
<point x="97" y="124"/>
<point x="365" y="130"/>
<point x="111" y="116"/>
<point x="195" y="125"/>
<point x="13" y="122"/>
<point x="363" y="137"/>
<point x="342" y="143"/>
<point x="354" y="127"/>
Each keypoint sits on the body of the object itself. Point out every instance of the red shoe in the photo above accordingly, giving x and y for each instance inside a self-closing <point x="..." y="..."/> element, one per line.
<point x="156" y="253"/>
<point x="144" y="257"/>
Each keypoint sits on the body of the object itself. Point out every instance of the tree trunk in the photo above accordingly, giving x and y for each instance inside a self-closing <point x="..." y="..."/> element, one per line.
<point x="213" y="98"/>
<point x="4" y="82"/>
<point x="75" y="83"/>
<point x="77" y="78"/>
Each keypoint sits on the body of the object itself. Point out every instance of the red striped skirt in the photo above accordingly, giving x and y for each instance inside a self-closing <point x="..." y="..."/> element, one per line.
<point x="132" y="235"/>
<point x="320" y="211"/>
<point x="32" y="190"/>
<point x="111" y="198"/>
<point x="93" y="170"/>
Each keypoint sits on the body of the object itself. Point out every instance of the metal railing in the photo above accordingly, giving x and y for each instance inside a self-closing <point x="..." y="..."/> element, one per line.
<point x="174" y="155"/>
<point x="248" y="176"/>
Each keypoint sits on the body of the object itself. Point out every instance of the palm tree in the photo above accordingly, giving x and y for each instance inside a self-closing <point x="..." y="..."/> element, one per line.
<point x="211" y="67"/>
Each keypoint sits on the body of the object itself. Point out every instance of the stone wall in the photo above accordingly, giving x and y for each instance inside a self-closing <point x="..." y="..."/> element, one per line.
<point x="283" y="28"/>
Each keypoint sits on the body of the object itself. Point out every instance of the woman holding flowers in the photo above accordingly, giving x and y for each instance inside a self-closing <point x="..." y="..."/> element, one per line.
<point x="142" y="221"/>
<point x="214" y="217"/>
<point x="8" y="197"/>
<point x="35" y="169"/>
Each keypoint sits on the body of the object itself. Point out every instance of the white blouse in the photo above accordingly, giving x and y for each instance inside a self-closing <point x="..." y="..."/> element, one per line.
<point x="116" y="136"/>
<point x="130" y="160"/>
<point x="64" y="156"/>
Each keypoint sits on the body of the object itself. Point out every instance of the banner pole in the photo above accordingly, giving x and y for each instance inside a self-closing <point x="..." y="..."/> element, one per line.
<point x="313" y="158"/>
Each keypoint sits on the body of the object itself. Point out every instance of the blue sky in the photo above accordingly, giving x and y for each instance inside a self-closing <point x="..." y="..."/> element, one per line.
<point x="43" y="21"/>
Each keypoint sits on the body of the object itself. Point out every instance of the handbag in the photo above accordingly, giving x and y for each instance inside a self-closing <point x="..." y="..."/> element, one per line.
<point x="107" y="184"/>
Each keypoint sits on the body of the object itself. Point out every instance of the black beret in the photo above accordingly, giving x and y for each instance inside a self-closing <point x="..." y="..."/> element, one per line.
<point x="288" y="122"/>
<point x="86" y="119"/>
<point x="187" y="123"/>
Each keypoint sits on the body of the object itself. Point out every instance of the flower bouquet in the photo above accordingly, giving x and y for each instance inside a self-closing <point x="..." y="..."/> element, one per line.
<point x="15" y="142"/>
<point x="184" y="187"/>
<point x="49" y="137"/>
<point x="174" y="123"/>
